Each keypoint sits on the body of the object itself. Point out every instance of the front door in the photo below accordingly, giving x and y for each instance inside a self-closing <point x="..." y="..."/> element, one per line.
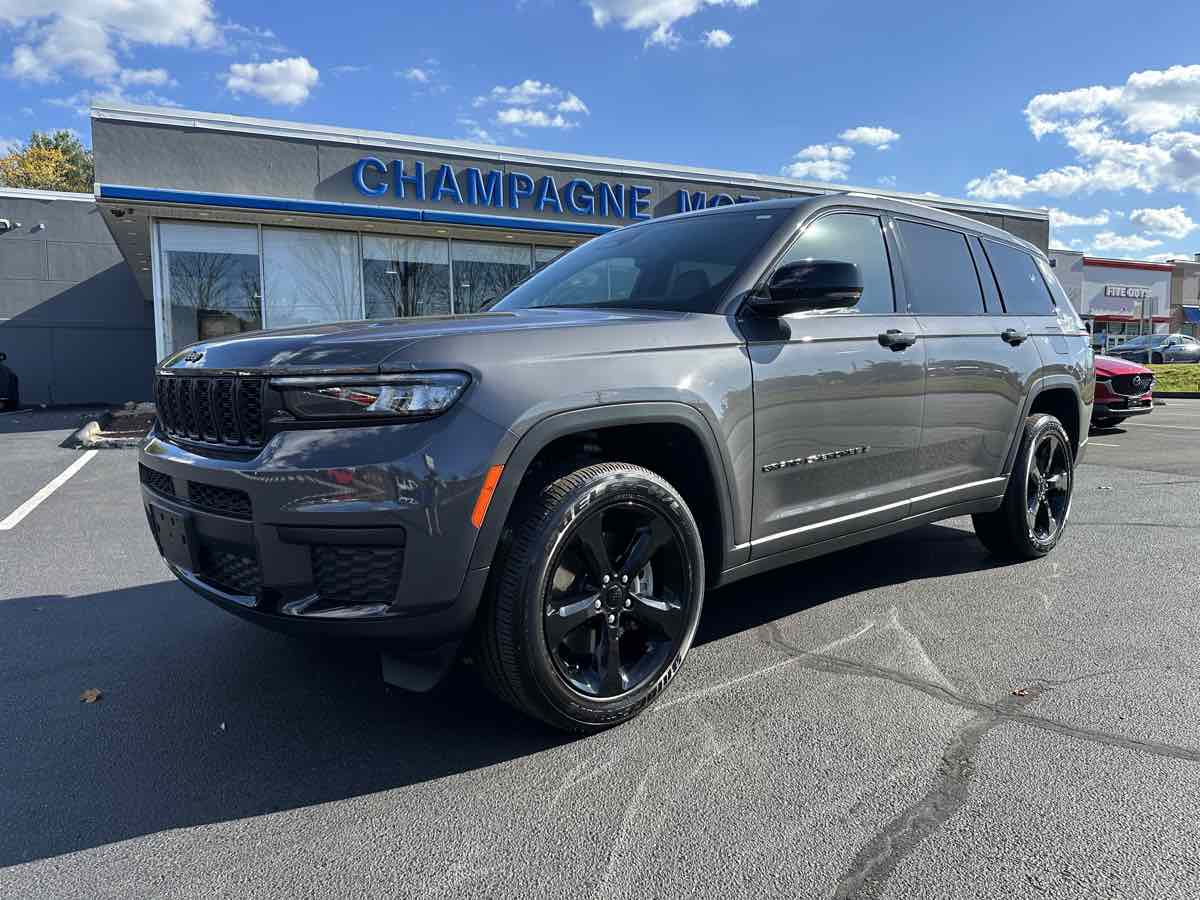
<point x="837" y="413"/>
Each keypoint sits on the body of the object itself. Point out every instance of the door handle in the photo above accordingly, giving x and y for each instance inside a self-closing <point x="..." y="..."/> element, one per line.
<point x="1013" y="336"/>
<point x="895" y="339"/>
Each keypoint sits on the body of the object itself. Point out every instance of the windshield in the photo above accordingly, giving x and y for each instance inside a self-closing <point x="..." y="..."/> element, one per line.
<point x="1146" y="340"/>
<point x="682" y="264"/>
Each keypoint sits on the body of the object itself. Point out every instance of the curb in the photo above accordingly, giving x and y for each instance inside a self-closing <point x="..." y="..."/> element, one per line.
<point x="90" y="436"/>
<point x="1177" y="395"/>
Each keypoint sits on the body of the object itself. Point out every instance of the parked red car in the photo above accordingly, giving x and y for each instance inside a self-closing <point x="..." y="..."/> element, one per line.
<point x="1123" y="389"/>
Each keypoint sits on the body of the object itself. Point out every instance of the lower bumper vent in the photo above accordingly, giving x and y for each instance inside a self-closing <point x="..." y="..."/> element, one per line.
<point x="350" y="575"/>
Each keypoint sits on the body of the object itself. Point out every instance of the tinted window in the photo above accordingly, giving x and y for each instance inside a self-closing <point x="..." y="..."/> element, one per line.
<point x="1021" y="284"/>
<point x="941" y="277"/>
<point x="849" y="237"/>
<point x="684" y="264"/>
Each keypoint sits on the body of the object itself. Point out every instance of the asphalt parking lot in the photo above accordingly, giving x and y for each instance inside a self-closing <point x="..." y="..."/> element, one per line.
<point x="904" y="719"/>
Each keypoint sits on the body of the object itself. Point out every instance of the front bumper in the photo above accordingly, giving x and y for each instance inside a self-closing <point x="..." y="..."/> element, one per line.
<point x="354" y="532"/>
<point x="1121" y="408"/>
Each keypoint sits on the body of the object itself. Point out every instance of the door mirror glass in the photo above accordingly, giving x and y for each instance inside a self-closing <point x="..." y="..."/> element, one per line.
<point x="810" y="284"/>
<point x="3" y="356"/>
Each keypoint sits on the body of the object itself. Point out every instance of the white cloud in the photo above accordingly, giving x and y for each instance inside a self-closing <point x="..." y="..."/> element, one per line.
<point x="658" y="17"/>
<point x="475" y="131"/>
<point x="521" y="116"/>
<point x="1108" y="240"/>
<point x="417" y="74"/>
<point x="287" y="82"/>
<point x="9" y="145"/>
<point x="1168" y="257"/>
<point x="534" y="104"/>
<point x="1060" y="218"/>
<point x="81" y="101"/>
<point x="824" y="162"/>
<point x="348" y="70"/>
<point x="146" y="78"/>
<point x="872" y="135"/>
<point x="1125" y="137"/>
<point x="718" y="38"/>
<point x="1173" y="222"/>
<point x="888" y="181"/>
<point x="88" y="37"/>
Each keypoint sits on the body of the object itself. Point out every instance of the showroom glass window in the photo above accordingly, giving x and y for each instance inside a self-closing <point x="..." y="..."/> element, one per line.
<point x="851" y="237"/>
<point x="210" y="279"/>
<point x="543" y="256"/>
<point x="405" y="277"/>
<point x="940" y="273"/>
<point x="1021" y="284"/>
<point x="483" y="271"/>
<point x="311" y="276"/>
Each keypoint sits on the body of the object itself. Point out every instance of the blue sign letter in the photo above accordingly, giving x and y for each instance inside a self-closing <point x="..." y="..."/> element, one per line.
<point x="416" y="179"/>
<point x="638" y="204"/>
<point x="688" y="202"/>
<point x="547" y="196"/>
<point x="720" y="200"/>
<point x="519" y="185"/>
<point x="747" y="198"/>
<point x="612" y="201"/>
<point x="446" y="183"/>
<point x="484" y="193"/>
<point x="580" y="189"/>
<point x="377" y="166"/>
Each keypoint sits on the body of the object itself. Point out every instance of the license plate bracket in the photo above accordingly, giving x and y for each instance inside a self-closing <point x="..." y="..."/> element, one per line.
<point x="176" y="534"/>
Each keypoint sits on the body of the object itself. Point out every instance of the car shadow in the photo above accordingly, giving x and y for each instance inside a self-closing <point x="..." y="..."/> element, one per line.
<point x="32" y="419"/>
<point x="203" y="718"/>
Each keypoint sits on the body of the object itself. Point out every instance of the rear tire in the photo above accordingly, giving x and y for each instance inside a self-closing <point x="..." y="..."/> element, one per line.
<point x="1031" y="520"/>
<point x="594" y="600"/>
<point x="13" y="402"/>
<point x="1156" y="359"/>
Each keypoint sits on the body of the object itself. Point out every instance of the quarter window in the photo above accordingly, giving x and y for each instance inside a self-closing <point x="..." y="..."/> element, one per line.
<point x="939" y="273"/>
<point x="1021" y="284"/>
<point x="856" y="238"/>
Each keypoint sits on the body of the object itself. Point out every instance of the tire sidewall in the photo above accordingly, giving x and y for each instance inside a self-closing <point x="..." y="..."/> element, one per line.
<point x="608" y="489"/>
<point x="1037" y="428"/>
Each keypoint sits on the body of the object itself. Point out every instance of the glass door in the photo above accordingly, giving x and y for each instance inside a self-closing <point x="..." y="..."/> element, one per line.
<point x="483" y="271"/>
<point x="406" y="277"/>
<point x="311" y="276"/>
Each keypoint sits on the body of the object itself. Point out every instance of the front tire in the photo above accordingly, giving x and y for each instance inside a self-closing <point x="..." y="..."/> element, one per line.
<point x="1104" y="423"/>
<point x="1156" y="359"/>
<point x="1031" y="520"/>
<point x="594" y="600"/>
<point x="13" y="402"/>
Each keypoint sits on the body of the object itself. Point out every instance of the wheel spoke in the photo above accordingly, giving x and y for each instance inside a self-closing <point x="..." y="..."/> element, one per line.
<point x="1051" y="522"/>
<point x="647" y="541"/>
<point x="661" y="614"/>
<point x="608" y="663"/>
<point x="1058" y="482"/>
<point x="564" y="618"/>
<point x="591" y="542"/>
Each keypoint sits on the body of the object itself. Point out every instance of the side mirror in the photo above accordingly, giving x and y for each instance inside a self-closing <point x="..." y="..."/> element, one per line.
<point x="810" y="284"/>
<point x="3" y="356"/>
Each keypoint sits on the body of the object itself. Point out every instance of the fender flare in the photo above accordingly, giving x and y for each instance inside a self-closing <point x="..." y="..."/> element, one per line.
<point x="1043" y="384"/>
<point x="593" y="419"/>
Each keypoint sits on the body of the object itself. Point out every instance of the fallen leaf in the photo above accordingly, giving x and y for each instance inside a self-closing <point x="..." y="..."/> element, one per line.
<point x="91" y="695"/>
<point x="1020" y="692"/>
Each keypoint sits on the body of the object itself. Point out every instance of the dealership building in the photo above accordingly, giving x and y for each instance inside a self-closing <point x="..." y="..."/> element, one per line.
<point x="204" y="225"/>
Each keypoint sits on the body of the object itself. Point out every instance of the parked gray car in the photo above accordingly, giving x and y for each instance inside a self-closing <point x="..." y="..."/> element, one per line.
<point x="1155" y="349"/>
<point x="679" y="404"/>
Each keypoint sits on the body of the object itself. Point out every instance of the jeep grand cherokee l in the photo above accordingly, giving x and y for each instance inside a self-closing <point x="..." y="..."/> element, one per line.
<point x="555" y="482"/>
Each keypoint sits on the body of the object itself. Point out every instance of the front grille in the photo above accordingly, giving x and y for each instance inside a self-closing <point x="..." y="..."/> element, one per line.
<point x="353" y="575"/>
<point x="221" y="410"/>
<point x="234" y="573"/>
<point x="1131" y="385"/>
<point x="157" y="481"/>
<point x="223" y="501"/>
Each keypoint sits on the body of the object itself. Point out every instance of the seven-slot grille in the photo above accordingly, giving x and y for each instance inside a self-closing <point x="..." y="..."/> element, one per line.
<point x="217" y="410"/>
<point x="1131" y="385"/>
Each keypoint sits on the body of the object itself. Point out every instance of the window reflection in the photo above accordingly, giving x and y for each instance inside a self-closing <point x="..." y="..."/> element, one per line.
<point x="405" y="277"/>
<point x="211" y="287"/>
<point x="483" y="271"/>
<point x="311" y="276"/>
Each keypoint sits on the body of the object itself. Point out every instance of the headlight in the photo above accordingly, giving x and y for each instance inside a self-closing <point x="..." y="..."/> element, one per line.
<point x="371" y="396"/>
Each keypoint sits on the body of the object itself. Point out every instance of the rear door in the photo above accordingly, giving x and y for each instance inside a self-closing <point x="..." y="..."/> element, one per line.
<point x="976" y="368"/>
<point x="837" y="414"/>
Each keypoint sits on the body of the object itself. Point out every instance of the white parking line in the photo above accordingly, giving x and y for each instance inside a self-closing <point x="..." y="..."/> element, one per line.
<point x="15" y="517"/>
<point x="1098" y="444"/>
<point x="1180" y="427"/>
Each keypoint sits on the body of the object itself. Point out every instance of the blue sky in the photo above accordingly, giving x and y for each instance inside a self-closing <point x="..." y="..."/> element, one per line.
<point x="1091" y="109"/>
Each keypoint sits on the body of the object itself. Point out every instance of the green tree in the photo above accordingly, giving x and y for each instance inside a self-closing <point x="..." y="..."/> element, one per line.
<point x="50" y="161"/>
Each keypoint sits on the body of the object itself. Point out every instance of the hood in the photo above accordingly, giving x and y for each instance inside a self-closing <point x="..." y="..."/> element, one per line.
<point x="366" y="346"/>
<point x="1107" y="366"/>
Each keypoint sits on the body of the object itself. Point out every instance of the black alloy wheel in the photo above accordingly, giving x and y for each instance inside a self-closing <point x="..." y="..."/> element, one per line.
<point x="594" y="597"/>
<point x="1048" y="488"/>
<point x="616" y="603"/>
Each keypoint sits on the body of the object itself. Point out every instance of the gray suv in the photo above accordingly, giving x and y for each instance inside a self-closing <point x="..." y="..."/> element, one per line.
<point x="553" y="484"/>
